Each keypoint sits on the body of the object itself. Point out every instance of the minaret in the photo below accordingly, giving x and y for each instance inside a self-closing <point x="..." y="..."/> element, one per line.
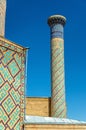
<point x="2" y="16"/>
<point x="58" y="104"/>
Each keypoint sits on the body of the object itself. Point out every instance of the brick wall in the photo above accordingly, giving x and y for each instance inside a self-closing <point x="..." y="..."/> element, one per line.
<point x="54" y="127"/>
<point x="38" y="106"/>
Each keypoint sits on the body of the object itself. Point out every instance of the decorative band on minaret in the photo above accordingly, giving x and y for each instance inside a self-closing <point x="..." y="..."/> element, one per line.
<point x="58" y="104"/>
<point x="2" y="16"/>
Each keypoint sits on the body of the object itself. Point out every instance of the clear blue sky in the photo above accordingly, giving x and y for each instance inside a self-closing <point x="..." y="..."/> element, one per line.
<point x="26" y="23"/>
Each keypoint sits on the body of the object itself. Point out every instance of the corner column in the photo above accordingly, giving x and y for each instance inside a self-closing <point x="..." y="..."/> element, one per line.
<point x="58" y="104"/>
<point x="2" y="16"/>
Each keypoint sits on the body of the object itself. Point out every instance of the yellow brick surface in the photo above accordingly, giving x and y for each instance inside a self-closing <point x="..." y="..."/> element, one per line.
<point x="55" y="127"/>
<point x="38" y="106"/>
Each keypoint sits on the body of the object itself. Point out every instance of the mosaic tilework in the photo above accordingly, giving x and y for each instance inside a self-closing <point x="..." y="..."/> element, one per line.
<point x="57" y="31"/>
<point x="58" y="108"/>
<point x="58" y="104"/>
<point x="2" y="16"/>
<point x="12" y="65"/>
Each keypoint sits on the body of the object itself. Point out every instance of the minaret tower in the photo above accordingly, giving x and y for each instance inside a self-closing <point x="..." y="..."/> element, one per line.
<point x="2" y="16"/>
<point x="58" y="104"/>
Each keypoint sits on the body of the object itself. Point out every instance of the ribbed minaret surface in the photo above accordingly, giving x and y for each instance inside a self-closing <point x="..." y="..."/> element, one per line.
<point x="2" y="16"/>
<point x="58" y="104"/>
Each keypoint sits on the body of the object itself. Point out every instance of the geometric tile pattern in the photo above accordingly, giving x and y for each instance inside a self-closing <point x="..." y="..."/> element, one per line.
<point x="12" y="68"/>
<point x="58" y="104"/>
<point x="58" y="108"/>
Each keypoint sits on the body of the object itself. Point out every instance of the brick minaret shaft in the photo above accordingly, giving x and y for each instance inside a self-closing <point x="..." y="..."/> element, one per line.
<point x="2" y="16"/>
<point x="58" y="104"/>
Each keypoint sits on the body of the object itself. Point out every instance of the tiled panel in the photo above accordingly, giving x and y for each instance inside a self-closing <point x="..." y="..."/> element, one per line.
<point x="12" y="65"/>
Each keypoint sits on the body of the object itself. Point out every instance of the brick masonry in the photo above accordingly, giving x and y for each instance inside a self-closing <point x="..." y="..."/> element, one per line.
<point x="38" y="106"/>
<point x="54" y="127"/>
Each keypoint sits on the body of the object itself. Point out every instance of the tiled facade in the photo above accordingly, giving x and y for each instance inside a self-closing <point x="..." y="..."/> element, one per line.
<point x="12" y="68"/>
